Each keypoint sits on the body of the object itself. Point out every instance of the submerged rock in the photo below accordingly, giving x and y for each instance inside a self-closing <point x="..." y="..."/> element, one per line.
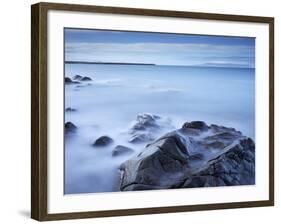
<point x="103" y="141"/>
<point x="121" y="150"/>
<point x="214" y="156"/>
<point x="146" y="128"/>
<point x="69" y="127"/>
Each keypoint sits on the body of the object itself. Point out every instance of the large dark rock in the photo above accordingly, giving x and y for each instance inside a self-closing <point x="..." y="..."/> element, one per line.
<point x="147" y="127"/>
<point x="182" y="159"/>
<point x="121" y="150"/>
<point x="69" y="127"/>
<point x="103" y="141"/>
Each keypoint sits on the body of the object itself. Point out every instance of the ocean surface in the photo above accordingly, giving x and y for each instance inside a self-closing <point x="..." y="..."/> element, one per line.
<point x="118" y="93"/>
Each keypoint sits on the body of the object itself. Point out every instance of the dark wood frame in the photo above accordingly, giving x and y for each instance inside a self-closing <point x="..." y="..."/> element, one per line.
<point x="39" y="110"/>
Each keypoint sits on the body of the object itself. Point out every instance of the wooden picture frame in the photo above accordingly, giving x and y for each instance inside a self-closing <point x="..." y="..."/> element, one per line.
<point x="39" y="110"/>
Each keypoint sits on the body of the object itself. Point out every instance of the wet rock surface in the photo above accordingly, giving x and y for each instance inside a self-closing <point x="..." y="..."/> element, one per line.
<point x="197" y="155"/>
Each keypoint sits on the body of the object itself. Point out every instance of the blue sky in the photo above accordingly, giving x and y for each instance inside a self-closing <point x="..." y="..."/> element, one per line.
<point x="157" y="48"/>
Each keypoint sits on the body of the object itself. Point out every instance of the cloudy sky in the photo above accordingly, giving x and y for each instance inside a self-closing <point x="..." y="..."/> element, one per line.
<point x="157" y="48"/>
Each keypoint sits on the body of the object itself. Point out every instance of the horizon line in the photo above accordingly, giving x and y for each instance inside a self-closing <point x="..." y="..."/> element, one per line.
<point x="153" y="64"/>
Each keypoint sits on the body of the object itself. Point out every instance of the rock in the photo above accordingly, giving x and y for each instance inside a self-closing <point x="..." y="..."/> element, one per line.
<point x="158" y="166"/>
<point x="140" y="138"/>
<point x="234" y="167"/>
<point x="68" y="80"/>
<point x="103" y="141"/>
<point x="145" y="121"/>
<point x="81" y="78"/>
<point x="147" y="127"/>
<point x="199" y="125"/>
<point x="69" y="109"/>
<point x="120" y="150"/>
<point x="69" y="127"/>
<point x="220" y="157"/>
<point x="77" y="77"/>
<point x="86" y="78"/>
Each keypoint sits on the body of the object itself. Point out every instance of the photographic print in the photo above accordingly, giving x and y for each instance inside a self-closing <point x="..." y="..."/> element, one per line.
<point x="144" y="111"/>
<point x="149" y="111"/>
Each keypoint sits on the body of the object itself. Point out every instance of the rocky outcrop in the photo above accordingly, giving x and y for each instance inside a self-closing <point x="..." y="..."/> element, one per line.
<point x="121" y="150"/>
<point x="77" y="77"/>
<point x="68" y="81"/>
<point x="103" y="141"/>
<point x="197" y="155"/>
<point x="69" y="127"/>
<point x="86" y="78"/>
<point x="147" y="127"/>
<point x="81" y="78"/>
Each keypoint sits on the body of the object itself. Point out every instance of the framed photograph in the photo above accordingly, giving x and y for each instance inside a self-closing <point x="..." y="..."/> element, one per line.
<point x="140" y="111"/>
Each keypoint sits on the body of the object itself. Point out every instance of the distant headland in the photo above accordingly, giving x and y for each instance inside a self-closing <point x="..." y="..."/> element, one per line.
<point x="106" y="63"/>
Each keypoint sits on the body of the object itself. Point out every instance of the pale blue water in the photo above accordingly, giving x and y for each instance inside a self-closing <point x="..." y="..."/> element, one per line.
<point x="223" y="96"/>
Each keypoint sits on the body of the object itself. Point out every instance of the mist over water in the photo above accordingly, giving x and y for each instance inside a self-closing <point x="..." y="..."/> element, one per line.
<point x="118" y="93"/>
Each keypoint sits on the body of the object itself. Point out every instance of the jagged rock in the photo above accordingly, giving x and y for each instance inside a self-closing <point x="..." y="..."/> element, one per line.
<point x="214" y="156"/>
<point x="103" y="141"/>
<point x="70" y="109"/>
<point x="69" y="127"/>
<point x="146" y="128"/>
<point x="120" y="150"/>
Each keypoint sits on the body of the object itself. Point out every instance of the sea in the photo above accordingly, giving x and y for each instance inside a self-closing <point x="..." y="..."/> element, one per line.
<point x="109" y="104"/>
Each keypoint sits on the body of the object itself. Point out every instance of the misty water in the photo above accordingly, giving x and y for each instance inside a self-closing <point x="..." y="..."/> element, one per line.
<point x="109" y="104"/>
